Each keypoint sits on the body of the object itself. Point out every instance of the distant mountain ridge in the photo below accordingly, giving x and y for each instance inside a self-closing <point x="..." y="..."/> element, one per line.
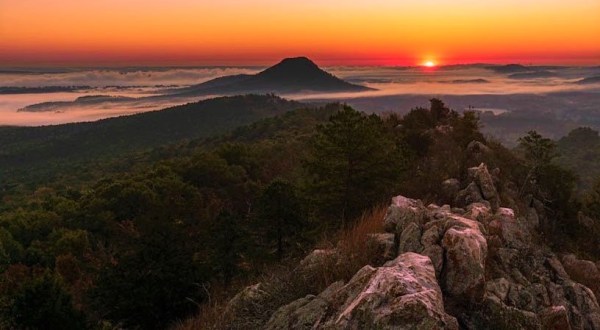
<point x="35" y="148"/>
<point x="291" y="75"/>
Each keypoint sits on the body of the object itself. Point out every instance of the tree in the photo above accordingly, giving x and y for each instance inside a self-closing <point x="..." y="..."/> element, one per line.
<point x="537" y="149"/>
<point x="546" y="181"/>
<point x="226" y="245"/>
<point x="354" y="163"/>
<point x="154" y="280"/>
<point x="42" y="303"/>
<point x="279" y="213"/>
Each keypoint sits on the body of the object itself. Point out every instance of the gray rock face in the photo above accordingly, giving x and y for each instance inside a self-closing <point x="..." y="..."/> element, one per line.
<point x="410" y="239"/>
<point x="383" y="245"/>
<point x="402" y="212"/>
<point x="485" y="182"/>
<point x="304" y="313"/>
<point x="402" y="294"/>
<point x="464" y="264"/>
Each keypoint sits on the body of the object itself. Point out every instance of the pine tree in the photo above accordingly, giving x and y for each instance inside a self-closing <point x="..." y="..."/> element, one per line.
<point x="354" y="163"/>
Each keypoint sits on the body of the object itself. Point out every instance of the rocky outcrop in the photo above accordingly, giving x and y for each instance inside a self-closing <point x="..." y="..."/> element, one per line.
<point x="583" y="271"/>
<point x="476" y="264"/>
<point x="464" y="263"/>
<point x="402" y="294"/>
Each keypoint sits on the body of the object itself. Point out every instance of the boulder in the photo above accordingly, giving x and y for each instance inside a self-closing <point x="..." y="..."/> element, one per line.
<point x="582" y="271"/>
<point x="401" y="212"/>
<point x="383" y="245"/>
<point x="584" y="306"/>
<point x="318" y="259"/>
<point x="482" y="177"/>
<point x="508" y="228"/>
<point x="304" y="313"/>
<point x="471" y="194"/>
<point x="478" y="211"/>
<point x="436" y="254"/>
<point x="464" y="263"/>
<point x="403" y="294"/>
<point x="410" y="239"/>
<point x="494" y="314"/>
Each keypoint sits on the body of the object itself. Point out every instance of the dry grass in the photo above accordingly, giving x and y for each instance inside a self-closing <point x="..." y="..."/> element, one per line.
<point x="283" y="284"/>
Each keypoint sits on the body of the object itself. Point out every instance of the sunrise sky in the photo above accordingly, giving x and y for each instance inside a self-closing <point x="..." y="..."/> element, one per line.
<point x="333" y="32"/>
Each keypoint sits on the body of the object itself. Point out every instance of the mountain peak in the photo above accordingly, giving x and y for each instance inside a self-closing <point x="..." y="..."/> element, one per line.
<point x="297" y="61"/>
<point x="291" y="75"/>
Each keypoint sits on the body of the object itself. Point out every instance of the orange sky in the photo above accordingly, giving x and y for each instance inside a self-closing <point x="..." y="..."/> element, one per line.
<point x="389" y="32"/>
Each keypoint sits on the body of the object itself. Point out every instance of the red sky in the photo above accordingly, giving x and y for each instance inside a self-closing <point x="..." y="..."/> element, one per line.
<point x="333" y="32"/>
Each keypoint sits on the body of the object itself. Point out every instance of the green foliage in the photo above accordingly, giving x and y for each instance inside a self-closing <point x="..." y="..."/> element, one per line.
<point x="591" y="201"/>
<point x="154" y="281"/>
<point x="354" y="163"/>
<point x="42" y="303"/>
<point x="227" y="245"/>
<point x="280" y="215"/>
<point x="580" y="152"/>
<point x="136" y="241"/>
<point x="436" y="140"/>
<point x="537" y="149"/>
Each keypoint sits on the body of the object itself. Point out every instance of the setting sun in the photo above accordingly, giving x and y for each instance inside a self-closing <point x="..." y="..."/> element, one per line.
<point x="429" y="64"/>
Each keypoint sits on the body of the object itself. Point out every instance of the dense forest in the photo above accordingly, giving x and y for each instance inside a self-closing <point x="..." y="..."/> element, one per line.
<point x="119" y="243"/>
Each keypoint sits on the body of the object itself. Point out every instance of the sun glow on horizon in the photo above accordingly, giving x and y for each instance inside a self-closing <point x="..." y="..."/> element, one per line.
<point x="429" y="64"/>
<point x="261" y="32"/>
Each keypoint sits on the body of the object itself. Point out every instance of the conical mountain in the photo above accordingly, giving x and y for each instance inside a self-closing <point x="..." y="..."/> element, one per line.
<point x="291" y="75"/>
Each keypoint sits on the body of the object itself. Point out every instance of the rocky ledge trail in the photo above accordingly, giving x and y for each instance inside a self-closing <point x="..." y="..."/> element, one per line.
<point x="472" y="266"/>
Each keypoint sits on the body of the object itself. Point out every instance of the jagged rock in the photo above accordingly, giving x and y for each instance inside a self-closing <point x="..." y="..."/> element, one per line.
<point x="383" y="245"/>
<point x="508" y="228"/>
<point x="403" y="294"/>
<point x="410" y="240"/>
<point x="438" y="212"/>
<point x="464" y="263"/>
<point x="304" y="313"/>
<point x="485" y="183"/>
<point x="436" y="254"/>
<point x="401" y="212"/>
<point x="495" y="314"/>
<point x="583" y="271"/>
<point x="555" y="318"/>
<point x="478" y="211"/>
<point x="585" y="311"/>
<point x="432" y="233"/>
<point x="481" y="258"/>
<point x="471" y="194"/>
<point x="318" y="259"/>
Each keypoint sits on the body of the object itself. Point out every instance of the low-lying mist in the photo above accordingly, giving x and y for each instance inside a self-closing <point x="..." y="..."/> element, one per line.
<point x="141" y="89"/>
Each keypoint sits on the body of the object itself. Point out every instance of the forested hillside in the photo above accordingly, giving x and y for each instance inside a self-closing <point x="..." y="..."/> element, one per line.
<point x="147" y="245"/>
<point x="37" y="152"/>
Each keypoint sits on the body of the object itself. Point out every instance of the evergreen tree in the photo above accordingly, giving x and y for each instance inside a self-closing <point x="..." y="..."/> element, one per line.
<point x="279" y="213"/>
<point x="42" y="303"/>
<point x="226" y="244"/>
<point x="354" y="163"/>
